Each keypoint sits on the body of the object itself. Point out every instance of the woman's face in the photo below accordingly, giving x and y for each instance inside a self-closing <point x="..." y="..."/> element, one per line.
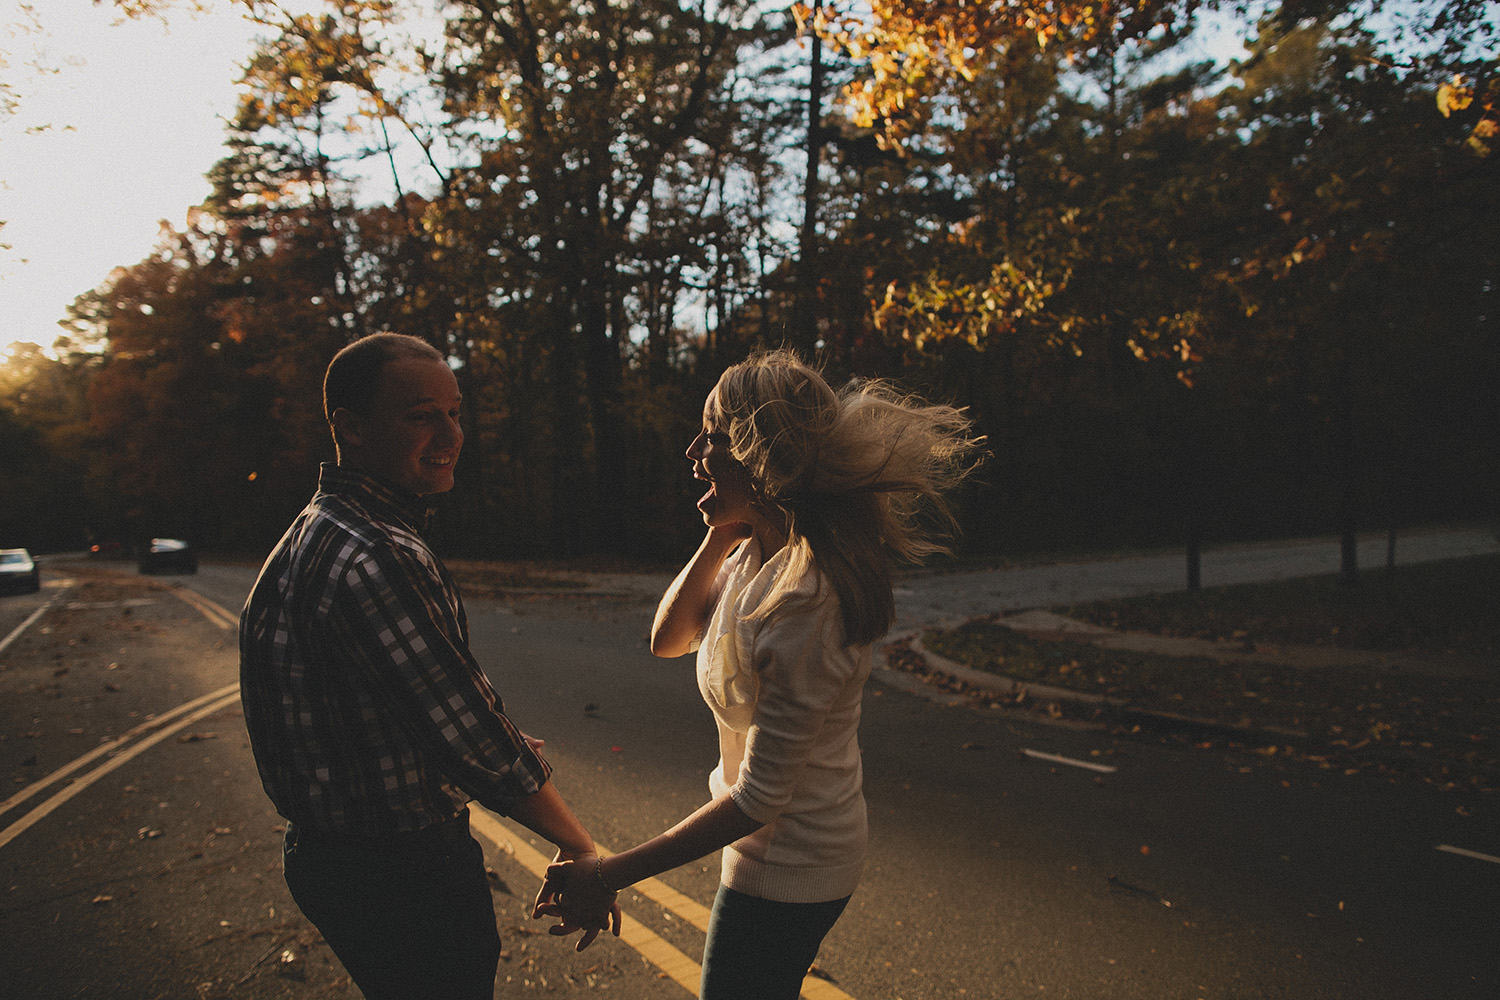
<point x="731" y="496"/>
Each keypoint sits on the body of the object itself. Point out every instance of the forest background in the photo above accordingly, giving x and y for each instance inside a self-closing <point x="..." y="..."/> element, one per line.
<point x="1187" y="301"/>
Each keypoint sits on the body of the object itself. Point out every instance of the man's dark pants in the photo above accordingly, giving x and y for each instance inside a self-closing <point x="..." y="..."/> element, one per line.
<point x="410" y="917"/>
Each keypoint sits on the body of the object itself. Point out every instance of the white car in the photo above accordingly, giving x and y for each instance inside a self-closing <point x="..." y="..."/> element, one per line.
<point x="18" y="572"/>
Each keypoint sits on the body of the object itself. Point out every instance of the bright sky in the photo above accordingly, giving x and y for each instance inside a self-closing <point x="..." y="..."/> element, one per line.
<point x="136" y="113"/>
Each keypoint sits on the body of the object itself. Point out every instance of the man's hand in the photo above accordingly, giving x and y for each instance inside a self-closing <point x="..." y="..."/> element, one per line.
<point x="573" y="892"/>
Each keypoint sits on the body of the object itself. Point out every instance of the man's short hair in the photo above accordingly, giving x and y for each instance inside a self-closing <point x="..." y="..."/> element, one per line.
<point x="354" y="373"/>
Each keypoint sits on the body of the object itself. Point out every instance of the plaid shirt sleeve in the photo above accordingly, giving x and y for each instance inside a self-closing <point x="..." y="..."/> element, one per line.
<point x="398" y="613"/>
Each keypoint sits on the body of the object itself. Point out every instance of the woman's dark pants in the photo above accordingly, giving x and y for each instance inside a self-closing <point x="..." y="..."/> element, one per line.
<point x="761" y="950"/>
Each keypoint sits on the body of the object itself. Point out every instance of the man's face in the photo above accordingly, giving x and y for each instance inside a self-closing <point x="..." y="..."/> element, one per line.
<point x="411" y="436"/>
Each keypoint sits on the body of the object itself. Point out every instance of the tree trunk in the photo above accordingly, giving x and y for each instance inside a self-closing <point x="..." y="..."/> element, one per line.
<point x="803" y="334"/>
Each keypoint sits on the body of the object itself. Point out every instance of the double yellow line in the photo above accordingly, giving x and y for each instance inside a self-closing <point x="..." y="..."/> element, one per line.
<point x="504" y="835"/>
<point x="116" y="752"/>
<point x="207" y="608"/>
<point x="119" y="751"/>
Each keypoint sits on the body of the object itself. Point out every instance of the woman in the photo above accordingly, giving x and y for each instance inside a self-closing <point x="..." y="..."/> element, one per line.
<point x="810" y="493"/>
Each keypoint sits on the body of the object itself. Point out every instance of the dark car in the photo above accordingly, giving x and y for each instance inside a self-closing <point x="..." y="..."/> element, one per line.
<point x="18" y="572"/>
<point x="169" y="555"/>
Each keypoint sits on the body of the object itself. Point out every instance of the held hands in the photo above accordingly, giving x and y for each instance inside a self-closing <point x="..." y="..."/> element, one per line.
<point x="573" y="892"/>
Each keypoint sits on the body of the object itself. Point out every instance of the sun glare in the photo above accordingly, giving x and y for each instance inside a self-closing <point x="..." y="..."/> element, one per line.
<point x="85" y="181"/>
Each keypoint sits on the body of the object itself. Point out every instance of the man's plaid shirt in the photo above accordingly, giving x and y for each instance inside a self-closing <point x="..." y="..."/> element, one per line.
<point x="367" y="713"/>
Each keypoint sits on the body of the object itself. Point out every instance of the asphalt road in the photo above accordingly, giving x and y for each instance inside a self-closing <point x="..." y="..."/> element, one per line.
<point x="1126" y="869"/>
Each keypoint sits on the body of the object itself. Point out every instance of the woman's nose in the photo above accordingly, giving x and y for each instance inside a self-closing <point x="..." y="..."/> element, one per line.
<point x="695" y="450"/>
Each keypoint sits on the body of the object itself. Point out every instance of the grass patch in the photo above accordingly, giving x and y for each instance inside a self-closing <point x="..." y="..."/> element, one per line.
<point x="1446" y="729"/>
<point x="1336" y="706"/>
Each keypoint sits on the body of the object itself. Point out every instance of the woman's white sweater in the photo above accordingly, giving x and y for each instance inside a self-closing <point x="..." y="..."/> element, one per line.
<point x="786" y="697"/>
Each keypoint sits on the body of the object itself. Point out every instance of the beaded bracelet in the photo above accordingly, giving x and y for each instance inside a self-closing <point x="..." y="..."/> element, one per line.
<point x="599" y="874"/>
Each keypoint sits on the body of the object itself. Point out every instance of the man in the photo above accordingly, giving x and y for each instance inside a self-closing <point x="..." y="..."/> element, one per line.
<point x="371" y="723"/>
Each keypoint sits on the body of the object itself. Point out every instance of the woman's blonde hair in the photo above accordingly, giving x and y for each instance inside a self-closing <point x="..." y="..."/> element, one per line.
<point x="859" y="475"/>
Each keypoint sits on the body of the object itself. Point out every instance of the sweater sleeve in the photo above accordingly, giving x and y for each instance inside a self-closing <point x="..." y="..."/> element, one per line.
<point x="803" y="671"/>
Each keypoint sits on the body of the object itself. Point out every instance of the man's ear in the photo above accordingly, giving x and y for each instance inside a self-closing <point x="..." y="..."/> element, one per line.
<point x="347" y="428"/>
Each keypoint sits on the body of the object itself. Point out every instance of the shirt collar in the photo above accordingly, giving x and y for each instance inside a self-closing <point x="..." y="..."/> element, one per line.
<point x="381" y="497"/>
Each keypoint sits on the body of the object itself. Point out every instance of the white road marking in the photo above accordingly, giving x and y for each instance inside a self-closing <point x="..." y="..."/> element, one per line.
<point x="1070" y="761"/>
<point x="15" y="633"/>
<point x="1450" y="849"/>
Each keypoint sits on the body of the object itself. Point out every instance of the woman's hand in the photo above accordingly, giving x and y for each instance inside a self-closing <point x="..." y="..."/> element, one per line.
<point x="573" y="892"/>
<point x="729" y="534"/>
<point x="683" y="611"/>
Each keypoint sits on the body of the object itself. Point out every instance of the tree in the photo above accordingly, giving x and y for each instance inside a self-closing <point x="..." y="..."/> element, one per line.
<point x="583" y="120"/>
<point x="45" y="502"/>
<point x="1365" y="275"/>
<point x="915" y="50"/>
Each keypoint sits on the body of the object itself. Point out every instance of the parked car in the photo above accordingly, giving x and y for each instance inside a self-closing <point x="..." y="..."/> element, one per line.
<point x="18" y="572"/>
<point x="169" y="555"/>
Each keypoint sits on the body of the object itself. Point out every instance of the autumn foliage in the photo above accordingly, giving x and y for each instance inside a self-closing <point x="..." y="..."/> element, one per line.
<point x="1188" y="294"/>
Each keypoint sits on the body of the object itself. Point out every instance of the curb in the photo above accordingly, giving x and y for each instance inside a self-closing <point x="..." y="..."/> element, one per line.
<point x="993" y="683"/>
<point x="1152" y="719"/>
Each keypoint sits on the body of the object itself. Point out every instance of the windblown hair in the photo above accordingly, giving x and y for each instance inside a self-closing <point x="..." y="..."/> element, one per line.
<point x="354" y="373"/>
<point x="860" y="475"/>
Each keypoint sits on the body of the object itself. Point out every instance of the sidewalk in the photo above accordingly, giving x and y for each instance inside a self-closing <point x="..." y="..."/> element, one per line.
<point x="936" y="597"/>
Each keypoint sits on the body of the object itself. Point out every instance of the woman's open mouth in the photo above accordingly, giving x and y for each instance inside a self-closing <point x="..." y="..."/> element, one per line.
<point x="708" y="497"/>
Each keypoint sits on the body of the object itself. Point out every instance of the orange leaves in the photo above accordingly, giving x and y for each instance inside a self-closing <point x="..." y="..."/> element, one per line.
<point x="913" y="47"/>
<point x="1459" y="95"/>
<point x="1456" y="95"/>
<point x="933" y="308"/>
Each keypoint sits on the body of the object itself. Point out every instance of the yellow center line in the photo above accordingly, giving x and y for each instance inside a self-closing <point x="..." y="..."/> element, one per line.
<point x="655" y="949"/>
<point x="110" y="745"/>
<point x="214" y="612"/>
<point x="650" y="945"/>
<point x="29" y="820"/>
